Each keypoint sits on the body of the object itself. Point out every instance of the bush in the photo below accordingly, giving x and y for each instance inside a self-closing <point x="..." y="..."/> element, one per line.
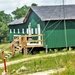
<point x="42" y="52"/>
<point x="50" y="51"/>
<point x="55" y="50"/>
<point x="64" y="50"/>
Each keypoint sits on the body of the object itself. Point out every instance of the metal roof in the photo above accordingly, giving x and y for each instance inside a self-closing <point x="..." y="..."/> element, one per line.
<point x="47" y="13"/>
<point x="54" y="12"/>
<point x="19" y="21"/>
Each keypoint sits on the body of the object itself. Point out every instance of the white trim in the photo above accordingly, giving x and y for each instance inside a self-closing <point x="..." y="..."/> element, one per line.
<point x="18" y="31"/>
<point x="27" y="30"/>
<point x="35" y="30"/>
<point x="10" y="30"/>
<point x="14" y="30"/>
<point x="32" y="31"/>
<point x="39" y="32"/>
<point x="23" y="30"/>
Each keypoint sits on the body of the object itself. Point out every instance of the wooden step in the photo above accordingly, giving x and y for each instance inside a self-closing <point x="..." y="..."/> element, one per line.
<point x="17" y="51"/>
<point x="8" y="55"/>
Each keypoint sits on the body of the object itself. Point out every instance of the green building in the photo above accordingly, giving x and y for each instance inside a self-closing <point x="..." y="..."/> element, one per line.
<point x="57" y="32"/>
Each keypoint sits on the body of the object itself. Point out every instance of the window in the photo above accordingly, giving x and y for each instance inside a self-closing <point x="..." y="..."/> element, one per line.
<point x="23" y="30"/>
<point x="10" y="31"/>
<point x="14" y="30"/>
<point x="18" y="31"/>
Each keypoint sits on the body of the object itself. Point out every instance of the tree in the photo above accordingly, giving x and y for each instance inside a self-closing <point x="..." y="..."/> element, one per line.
<point x="20" y="12"/>
<point x="34" y="4"/>
<point x="3" y="31"/>
<point x="5" y="18"/>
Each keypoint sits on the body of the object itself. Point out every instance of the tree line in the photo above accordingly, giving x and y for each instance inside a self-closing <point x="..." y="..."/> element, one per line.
<point x="7" y="18"/>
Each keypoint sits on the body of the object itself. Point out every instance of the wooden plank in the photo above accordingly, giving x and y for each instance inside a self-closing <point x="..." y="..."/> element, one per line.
<point x="42" y="41"/>
<point x="34" y="41"/>
<point x="33" y="35"/>
<point x="18" y="50"/>
<point x="33" y="46"/>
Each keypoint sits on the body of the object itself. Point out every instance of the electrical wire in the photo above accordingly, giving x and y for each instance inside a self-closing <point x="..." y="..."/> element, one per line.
<point x="49" y="20"/>
<point x="52" y="30"/>
<point x="52" y="24"/>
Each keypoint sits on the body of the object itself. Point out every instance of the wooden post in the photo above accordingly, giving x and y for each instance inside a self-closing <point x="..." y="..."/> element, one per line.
<point x="25" y="51"/>
<point x="5" y="69"/>
<point x="39" y="32"/>
<point x="23" y="42"/>
<point x="70" y="48"/>
<point x="2" y="55"/>
<point x="46" y="48"/>
<point x="12" y="49"/>
<point x="42" y="40"/>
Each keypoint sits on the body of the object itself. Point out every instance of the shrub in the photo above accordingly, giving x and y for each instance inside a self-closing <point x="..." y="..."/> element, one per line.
<point x="42" y="52"/>
<point x="50" y="51"/>
<point x="55" y="50"/>
<point x="64" y="50"/>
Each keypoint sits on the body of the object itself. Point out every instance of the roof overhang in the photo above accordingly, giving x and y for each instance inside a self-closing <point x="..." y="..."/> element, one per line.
<point x="27" y="15"/>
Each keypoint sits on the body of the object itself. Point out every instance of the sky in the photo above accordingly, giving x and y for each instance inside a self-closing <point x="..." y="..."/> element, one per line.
<point x="10" y="5"/>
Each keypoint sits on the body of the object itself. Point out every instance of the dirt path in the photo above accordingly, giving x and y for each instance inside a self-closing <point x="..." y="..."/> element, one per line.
<point x="31" y="58"/>
<point x="48" y="72"/>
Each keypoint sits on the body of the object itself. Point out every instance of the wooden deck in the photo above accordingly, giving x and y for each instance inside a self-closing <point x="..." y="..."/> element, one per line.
<point x="33" y="43"/>
<point x="26" y="41"/>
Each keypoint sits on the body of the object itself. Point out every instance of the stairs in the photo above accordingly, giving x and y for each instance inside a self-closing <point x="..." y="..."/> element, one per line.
<point x="18" y="49"/>
<point x="9" y="55"/>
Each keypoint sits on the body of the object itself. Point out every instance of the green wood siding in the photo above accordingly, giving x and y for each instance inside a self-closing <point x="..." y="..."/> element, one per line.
<point x="57" y="38"/>
<point x="33" y="19"/>
<point x="16" y="27"/>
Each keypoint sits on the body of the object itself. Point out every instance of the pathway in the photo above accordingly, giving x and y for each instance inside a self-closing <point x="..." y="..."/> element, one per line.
<point x="31" y="58"/>
<point x="48" y="72"/>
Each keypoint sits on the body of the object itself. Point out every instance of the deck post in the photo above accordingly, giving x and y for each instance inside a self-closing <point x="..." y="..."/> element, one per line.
<point x="25" y="51"/>
<point x="29" y="29"/>
<point x="46" y="48"/>
<point x="70" y="48"/>
<point x="23" y="42"/>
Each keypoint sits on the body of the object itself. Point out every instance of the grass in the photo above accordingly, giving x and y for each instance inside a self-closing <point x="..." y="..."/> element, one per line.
<point x="42" y="64"/>
<point x="3" y="45"/>
<point x="70" y="69"/>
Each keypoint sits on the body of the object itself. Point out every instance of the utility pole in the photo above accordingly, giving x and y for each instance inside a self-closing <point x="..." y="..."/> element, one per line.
<point x="64" y="23"/>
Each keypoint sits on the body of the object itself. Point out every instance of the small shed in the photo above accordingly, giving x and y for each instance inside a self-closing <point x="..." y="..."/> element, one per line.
<point x="51" y="20"/>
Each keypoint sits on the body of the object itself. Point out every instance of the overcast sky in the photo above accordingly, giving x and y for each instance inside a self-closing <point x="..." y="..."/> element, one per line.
<point x="10" y="5"/>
